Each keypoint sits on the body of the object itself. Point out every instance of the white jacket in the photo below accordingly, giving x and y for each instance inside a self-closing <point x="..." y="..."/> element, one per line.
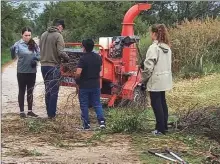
<point x="157" y="67"/>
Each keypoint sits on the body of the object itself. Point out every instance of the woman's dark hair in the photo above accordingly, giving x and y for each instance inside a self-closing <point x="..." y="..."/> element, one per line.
<point x="32" y="46"/>
<point x="161" y="33"/>
<point x="25" y="29"/>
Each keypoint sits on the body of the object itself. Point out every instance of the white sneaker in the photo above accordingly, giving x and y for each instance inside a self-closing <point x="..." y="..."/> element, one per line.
<point x="156" y="133"/>
<point x="102" y="125"/>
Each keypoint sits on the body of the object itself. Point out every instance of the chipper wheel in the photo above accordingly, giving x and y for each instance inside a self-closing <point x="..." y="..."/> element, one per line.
<point x="139" y="100"/>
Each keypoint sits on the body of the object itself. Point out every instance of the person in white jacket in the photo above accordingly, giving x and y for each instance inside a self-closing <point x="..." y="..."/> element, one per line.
<point x="157" y="75"/>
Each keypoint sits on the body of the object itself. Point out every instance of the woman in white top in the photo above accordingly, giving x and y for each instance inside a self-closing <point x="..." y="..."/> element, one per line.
<point x="157" y="75"/>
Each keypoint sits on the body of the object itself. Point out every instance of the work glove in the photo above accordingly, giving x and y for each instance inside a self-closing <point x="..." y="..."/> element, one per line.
<point x="64" y="57"/>
<point x="35" y="58"/>
<point x="142" y="86"/>
<point x="33" y="63"/>
<point x="141" y="66"/>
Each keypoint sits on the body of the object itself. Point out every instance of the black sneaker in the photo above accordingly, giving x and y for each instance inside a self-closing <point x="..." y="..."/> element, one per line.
<point x="84" y="128"/>
<point x="52" y="118"/>
<point x="32" y="114"/>
<point x="87" y="127"/>
<point x="102" y="125"/>
<point x="22" y="115"/>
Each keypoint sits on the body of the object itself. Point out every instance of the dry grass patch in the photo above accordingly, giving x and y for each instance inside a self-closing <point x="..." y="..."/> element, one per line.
<point x="198" y="92"/>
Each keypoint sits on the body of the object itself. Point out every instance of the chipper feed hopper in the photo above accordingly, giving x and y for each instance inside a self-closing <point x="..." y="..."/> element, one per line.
<point x="120" y="73"/>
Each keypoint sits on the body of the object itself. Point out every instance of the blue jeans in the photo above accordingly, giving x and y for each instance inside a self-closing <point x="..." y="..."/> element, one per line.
<point x="51" y="76"/>
<point x="90" y="96"/>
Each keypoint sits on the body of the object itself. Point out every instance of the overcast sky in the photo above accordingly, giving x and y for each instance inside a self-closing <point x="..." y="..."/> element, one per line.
<point x="41" y="4"/>
<point x="41" y="8"/>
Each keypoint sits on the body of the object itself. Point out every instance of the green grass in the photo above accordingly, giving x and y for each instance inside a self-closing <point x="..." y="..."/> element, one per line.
<point x="192" y="148"/>
<point x="186" y="93"/>
<point x="5" y="56"/>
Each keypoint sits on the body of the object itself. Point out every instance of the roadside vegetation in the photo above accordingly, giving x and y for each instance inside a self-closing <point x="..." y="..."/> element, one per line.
<point x="5" y="57"/>
<point x="194" y="102"/>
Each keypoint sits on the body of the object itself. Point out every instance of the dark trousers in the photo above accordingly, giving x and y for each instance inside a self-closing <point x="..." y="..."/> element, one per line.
<point x="159" y="105"/>
<point x="26" y="80"/>
<point x="51" y="76"/>
<point x="90" y="96"/>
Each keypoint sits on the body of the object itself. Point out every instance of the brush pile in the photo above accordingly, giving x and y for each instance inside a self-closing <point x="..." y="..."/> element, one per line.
<point x="205" y="121"/>
<point x="71" y="66"/>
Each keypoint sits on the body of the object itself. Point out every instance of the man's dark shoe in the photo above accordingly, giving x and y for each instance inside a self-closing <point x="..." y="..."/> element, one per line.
<point x="22" y="115"/>
<point x="32" y="114"/>
<point x="51" y="117"/>
<point x="84" y="128"/>
<point x="87" y="127"/>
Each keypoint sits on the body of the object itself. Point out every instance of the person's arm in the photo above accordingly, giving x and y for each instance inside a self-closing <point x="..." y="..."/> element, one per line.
<point x="60" y="48"/>
<point x="149" y="63"/>
<point x="15" y="50"/>
<point x="37" y="53"/>
<point x="78" y="72"/>
<point x="100" y="63"/>
<point x="79" y="67"/>
<point x="12" y="50"/>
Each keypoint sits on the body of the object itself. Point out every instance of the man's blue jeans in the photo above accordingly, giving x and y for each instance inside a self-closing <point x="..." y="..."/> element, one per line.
<point x="51" y="76"/>
<point x="90" y="96"/>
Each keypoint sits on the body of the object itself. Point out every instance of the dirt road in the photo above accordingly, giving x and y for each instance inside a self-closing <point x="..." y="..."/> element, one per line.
<point x="10" y="90"/>
<point x="42" y="141"/>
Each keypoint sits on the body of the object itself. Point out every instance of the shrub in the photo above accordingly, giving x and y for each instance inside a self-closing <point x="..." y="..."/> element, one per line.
<point x="145" y="42"/>
<point x="195" y="46"/>
<point x="201" y="121"/>
<point x="126" y="120"/>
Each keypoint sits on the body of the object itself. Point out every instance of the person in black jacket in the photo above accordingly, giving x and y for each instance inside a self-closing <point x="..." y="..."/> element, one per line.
<point x="88" y="79"/>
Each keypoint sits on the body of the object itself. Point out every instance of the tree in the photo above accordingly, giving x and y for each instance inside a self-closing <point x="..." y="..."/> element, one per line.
<point x="14" y="16"/>
<point x="88" y="19"/>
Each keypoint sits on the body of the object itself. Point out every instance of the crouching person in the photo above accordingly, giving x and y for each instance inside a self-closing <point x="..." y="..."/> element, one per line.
<point x="88" y="78"/>
<point x="158" y="76"/>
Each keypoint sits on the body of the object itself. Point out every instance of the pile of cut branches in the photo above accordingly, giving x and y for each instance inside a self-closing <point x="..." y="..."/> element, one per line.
<point x="201" y="121"/>
<point x="71" y="66"/>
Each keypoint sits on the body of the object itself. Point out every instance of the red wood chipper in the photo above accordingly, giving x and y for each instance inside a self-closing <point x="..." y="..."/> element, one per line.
<point x="120" y="73"/>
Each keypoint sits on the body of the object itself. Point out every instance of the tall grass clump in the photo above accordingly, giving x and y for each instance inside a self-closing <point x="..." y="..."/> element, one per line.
<point x="145" y="42"/>
<point x="195" y="47"/>
<point x="126" y="120"/>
